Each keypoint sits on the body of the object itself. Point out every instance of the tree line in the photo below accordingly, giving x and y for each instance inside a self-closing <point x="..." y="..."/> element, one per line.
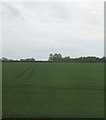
<point x="4" y="59"/>
<point x="58" y="58"/>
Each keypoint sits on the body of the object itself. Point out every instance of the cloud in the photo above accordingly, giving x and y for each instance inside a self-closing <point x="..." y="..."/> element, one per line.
<point x="36" y="29"/>
<point x="76" y="1"/>
<point x="0" y="30"/>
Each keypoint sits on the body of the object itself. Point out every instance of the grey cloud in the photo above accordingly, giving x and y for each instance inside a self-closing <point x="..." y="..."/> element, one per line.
<point x="69" y="28"/>
<point x="12" y="12"/>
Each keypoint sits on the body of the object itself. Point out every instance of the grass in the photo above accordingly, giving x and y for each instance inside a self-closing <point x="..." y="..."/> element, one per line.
<point x="53" y="90"/>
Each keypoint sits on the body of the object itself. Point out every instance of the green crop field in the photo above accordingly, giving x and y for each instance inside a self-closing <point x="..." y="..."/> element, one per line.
<point x="53" y="90"/>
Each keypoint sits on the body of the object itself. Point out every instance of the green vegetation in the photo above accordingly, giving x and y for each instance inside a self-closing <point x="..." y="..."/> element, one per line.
<point x="53" y="90"/>
<point x="89" y="59"/>
<point x="58" y="58"/>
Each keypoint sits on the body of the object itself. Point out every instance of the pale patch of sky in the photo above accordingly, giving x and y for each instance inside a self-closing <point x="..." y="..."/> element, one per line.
<point x="35" y="29"/>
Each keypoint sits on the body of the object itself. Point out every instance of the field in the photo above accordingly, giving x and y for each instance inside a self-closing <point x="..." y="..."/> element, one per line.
<point x="53" y="90"/>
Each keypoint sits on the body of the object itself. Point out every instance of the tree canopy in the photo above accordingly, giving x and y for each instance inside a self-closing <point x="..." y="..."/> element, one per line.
<point x="57" y="57"/>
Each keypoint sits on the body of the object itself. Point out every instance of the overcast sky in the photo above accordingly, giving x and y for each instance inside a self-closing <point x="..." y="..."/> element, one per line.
<point x="36" y="29"/>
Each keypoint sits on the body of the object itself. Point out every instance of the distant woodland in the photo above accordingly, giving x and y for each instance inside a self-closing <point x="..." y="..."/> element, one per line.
<point x="58" y="58"/>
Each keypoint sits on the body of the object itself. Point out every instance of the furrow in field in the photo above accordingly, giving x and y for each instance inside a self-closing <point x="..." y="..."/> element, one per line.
<point x="77" y="88"/>
<point x="32" y="71"/>
<point x="22" y="73"/>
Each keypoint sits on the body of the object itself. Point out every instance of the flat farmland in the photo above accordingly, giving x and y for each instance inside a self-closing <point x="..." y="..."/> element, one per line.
<point x="52" y="90"/>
